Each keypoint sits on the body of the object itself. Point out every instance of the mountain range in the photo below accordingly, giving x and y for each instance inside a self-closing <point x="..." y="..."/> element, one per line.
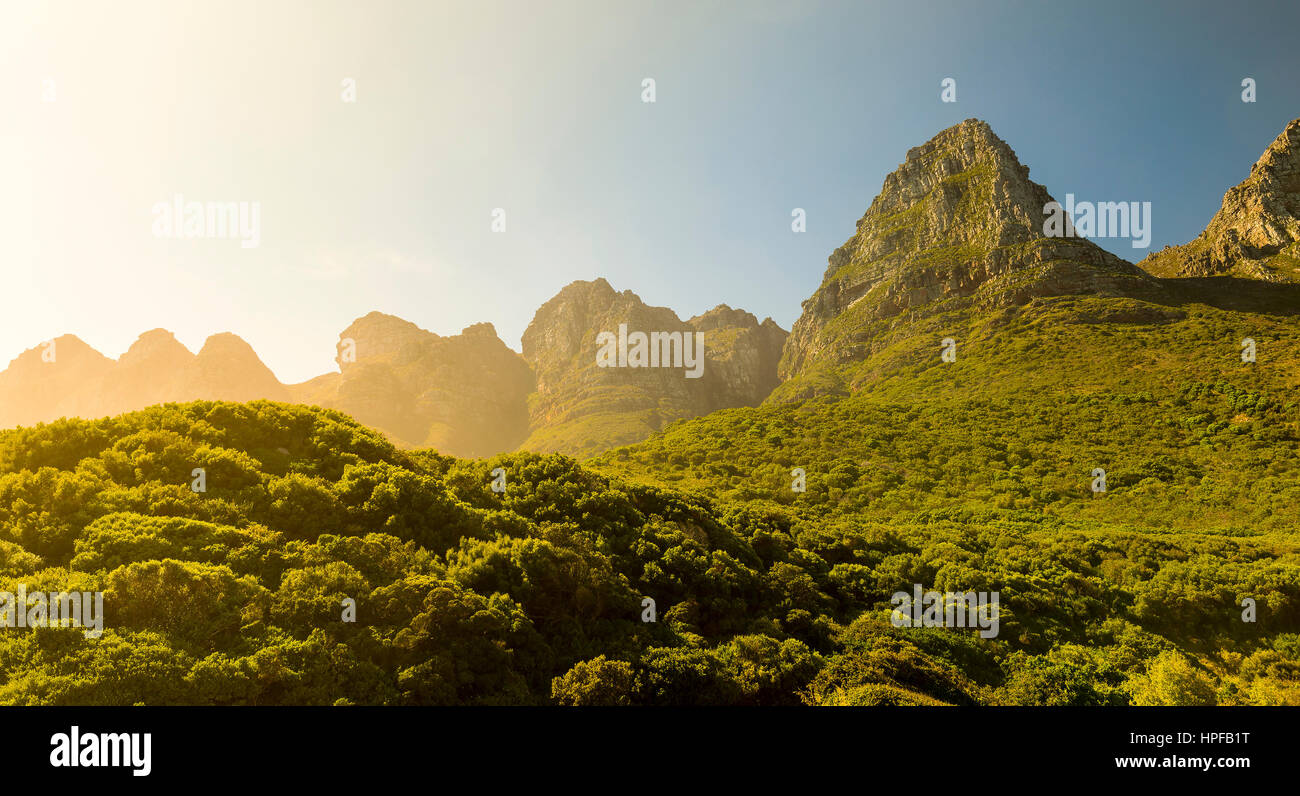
<point x="952" y="247"/>
<point x="467" y="395"/>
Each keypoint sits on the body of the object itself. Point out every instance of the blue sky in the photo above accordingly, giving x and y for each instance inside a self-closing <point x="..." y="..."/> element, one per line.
<point x="385" y="204"/>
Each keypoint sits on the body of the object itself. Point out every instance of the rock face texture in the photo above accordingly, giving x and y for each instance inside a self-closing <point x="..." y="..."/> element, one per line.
<point x="464" y="395"/>
<point x="1256" y="233"/>
<point x="958" y="223"/>
<point x="581" y="407"/>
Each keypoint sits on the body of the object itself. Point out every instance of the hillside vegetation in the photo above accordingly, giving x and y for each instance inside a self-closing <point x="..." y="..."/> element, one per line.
<point x="469" y="596"/>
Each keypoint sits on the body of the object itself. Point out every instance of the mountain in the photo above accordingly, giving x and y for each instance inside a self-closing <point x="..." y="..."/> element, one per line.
<point x="581" y="407"/>
<point x="71" y="379"/>
<point x="1099" y="456"/>
<point x="1093" y="420"/>
<point x="1065" y="360"/>
<point x="958" y="225"/>
<point x="227" y="369"/>
<point x="1256" y="233"/>
<point x="155" y="369"/>
<point x="464" y="395"/>
<point x="50" y="381"/>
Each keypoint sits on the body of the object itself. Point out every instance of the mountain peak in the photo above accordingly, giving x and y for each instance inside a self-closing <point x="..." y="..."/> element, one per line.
<point x="959" y="220"/>
<point x="156" y="345"/>
<point x="228" y="369"/>
<point x="1256" y="232"/>
<point x="581" y="406"/>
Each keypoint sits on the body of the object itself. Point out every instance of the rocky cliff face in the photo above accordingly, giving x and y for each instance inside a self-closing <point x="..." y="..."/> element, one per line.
<point x="581" y="407"/>
<point x="1256" y="233"/>
<point x="464" y="395"/>
<point x="959" y="223"/>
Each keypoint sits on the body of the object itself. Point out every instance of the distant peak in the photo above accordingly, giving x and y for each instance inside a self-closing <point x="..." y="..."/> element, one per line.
<point x="154" y="344"/>
<point x="483" y="329"/>
<point x="226" y="343"/>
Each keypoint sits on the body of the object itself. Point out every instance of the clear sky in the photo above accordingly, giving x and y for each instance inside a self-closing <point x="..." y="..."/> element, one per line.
<point x="536" y="108"/>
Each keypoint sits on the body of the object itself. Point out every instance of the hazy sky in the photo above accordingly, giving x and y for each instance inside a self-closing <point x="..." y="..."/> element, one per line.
<point x="536" y="108"/>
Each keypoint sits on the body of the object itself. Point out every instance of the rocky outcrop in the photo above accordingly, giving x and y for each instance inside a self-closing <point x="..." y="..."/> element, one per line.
<point x="1256" y="233"/>
<point x="581" y="407"/>
<point x="958" y="223"/>
<point x="464" y="395"/>
<point x="743" y="354"/>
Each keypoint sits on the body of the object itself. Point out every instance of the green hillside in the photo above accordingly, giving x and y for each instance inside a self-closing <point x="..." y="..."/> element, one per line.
<point x="467" y="596"/>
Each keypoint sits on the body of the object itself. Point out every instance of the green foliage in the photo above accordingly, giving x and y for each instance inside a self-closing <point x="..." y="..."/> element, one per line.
<point x="763" y="595"/>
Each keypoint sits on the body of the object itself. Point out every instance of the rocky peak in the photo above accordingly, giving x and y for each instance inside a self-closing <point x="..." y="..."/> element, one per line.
<point x="721" y="316"/>
<point x="484" y="330"/>
<point x="156" y="346"/>
<point x="958" y="221"/>
<point x="228" y="369"/>
<point x="582" y="408"/>
<point x="464" y="394"/>
<point x="1256" y="232"/>
<point x="381" y="337"/>
<point x="564" y="329"/>
<point x="43" y="383"/>
<point x="156" y="369"/>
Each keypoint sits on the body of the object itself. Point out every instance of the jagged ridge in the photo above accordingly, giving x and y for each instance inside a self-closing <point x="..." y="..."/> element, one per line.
<point x="1256" y="233"/>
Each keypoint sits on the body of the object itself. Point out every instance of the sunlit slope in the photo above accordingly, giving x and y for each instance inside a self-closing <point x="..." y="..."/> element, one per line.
<point x="1190" y="436"/>
<point x="237" y="592"/>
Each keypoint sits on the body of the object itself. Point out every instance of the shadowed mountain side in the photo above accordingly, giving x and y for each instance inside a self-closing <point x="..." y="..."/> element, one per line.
<point x="1234" y="293"/>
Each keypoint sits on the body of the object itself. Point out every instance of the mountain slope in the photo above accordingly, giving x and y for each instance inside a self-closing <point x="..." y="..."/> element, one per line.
<point x="1143" y="377"/>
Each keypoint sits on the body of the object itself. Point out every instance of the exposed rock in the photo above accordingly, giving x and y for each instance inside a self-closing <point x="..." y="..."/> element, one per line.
<point x="959" y="222"/>
<point x="464" y="395"/>
<point x="742" y="352"/>
<point x="1256" y="233"/>
<point x="582" y="408"/>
